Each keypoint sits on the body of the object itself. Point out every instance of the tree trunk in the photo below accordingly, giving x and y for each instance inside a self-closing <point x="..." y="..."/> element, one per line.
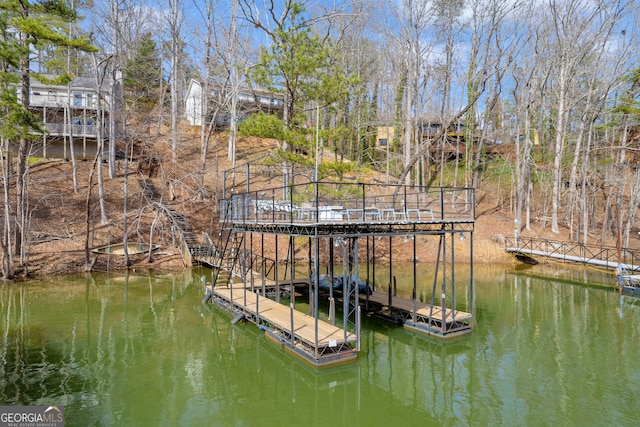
<point x="174" y="25"/>
<point x="22" y="168"/>
<point x="7" y="252"/>
<point x="558" y="150"/>
<point x="74" y="165"/>
<point x="407" y="126"/>
<point x="233" y="78"/>
<point x="100" y="120"/>
<point x="87" y="253"/>
<point x="125" y="197"/>
<point x="584" y="197"/>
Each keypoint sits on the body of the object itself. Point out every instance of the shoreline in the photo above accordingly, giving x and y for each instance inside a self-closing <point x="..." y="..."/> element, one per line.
<point x="48" y="264"/>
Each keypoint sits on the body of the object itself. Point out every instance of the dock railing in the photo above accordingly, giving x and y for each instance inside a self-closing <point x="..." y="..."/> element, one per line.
<point x="353" y="202"/>
<point x="606" y="256"/>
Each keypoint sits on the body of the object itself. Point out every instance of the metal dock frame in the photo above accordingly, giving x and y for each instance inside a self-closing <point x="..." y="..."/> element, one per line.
<point x="316" y="212"/>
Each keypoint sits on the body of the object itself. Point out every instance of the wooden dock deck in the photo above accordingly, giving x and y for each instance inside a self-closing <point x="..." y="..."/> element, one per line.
<point x="421" y="317"/>
<point x="315" y="341"/>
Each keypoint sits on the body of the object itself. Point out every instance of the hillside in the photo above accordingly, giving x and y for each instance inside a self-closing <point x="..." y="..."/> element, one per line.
<point x="59" y="214"/>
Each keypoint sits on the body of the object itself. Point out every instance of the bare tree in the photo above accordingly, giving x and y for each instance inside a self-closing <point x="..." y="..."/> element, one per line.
<point x="175" y="20"/>
<point x="208" y="16"/>
<point x="414" y="18"/>
<point x="493" y="48"/>
<point x="485" y="65"/>
<point x="232" y="60"/>
<point x="88" y="263"/>
<point x="117" y="62"/>
<point x="7" y="245"/>
<point x="573" y="38"/>
<point x="100" y="72"/>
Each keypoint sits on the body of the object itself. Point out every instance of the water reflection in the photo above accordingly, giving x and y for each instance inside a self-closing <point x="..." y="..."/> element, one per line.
<point x="144" y="350"/>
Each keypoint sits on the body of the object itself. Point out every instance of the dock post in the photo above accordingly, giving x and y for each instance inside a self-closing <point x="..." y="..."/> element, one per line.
<point x="358" y="326"/>
<point x="332" y="311"/>
<point x="444" y="313"/>
<point x="293" y="334"/>
<point x="415" y="306"/>
<point x="277" y="274"/>
<point x="373" y="267"/>
<point x="257" y="310"/>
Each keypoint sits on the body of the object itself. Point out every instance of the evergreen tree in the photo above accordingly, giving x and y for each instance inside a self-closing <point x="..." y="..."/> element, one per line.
<point x="303" y="65"/>
<point x="143" y="73"/>
<point x="27" y="26"/>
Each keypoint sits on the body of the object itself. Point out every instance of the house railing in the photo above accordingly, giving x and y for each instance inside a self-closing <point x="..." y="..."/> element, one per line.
<point x="89" y="130"/>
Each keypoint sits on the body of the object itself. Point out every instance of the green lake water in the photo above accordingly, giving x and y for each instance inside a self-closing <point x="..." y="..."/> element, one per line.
<point x="546" y="349"/>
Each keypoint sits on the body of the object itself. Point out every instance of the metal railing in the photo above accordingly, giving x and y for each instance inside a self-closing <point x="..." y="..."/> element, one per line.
<point x="576" y="252"/>
<point x="354" y="202"/>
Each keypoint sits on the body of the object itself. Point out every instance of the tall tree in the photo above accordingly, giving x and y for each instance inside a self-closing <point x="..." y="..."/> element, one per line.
<point x="15" y="122"/>
<point x="36" y="23"/>
<point x="234" y="81"/>
<point x="143" y="74"/>
<point x="359" y="58"/>
<point x="118" y="26"/>
<point x="414" y="17"/>
<point x="208" y="17"/>
<point x="299" y="62"/>
<point x="577" y="26"/>
<point x="174" y="21"/>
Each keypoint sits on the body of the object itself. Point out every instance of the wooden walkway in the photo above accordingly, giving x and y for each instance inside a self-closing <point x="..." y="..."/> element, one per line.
<point x="422" y="308"/>
<point x="315" y="341"/>
<point x="423" y="318"/>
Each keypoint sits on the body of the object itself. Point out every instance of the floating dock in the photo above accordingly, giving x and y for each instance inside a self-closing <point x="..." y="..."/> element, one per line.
<point x="428" y="319"/>
<point x="310" y="338"/>
<point x="624" y="262"/>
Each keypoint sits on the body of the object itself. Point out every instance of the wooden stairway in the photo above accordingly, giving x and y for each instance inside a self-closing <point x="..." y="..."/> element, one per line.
<point x="190" y="243"/>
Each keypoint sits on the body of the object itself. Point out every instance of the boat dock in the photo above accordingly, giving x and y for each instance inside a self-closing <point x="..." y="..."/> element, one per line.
<point x="629" y="284"/>
<point x="267" y="233"/>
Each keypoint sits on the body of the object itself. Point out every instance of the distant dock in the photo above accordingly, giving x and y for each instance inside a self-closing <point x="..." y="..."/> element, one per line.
<point x="600" y="256"/>
<point x="623" y="261"/>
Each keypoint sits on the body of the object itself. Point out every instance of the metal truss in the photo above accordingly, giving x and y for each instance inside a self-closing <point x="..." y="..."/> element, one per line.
<point x="350" y="286"/>
<point x="355" y="229"/>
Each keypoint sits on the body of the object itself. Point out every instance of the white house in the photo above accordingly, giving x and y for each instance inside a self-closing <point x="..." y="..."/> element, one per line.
<point x="249" y="101"/>
<point x="70" y="113"/>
